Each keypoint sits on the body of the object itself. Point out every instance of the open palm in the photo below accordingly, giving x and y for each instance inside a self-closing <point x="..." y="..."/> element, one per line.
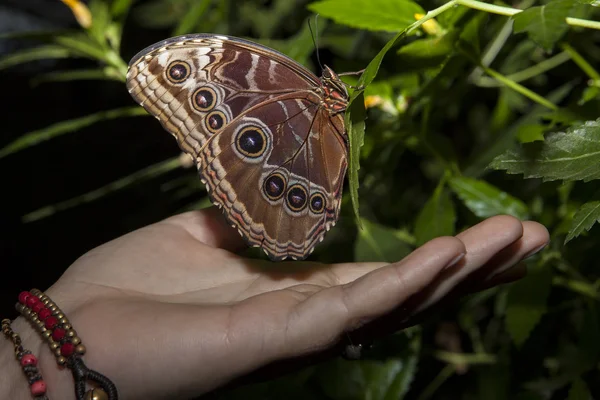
<point x="170" y="311"/>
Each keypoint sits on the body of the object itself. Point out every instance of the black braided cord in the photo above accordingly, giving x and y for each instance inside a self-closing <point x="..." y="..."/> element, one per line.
<point x="82" y="374"/>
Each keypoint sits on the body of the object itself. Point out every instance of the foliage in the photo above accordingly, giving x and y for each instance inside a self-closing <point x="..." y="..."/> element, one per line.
<point x="465" y="110"/>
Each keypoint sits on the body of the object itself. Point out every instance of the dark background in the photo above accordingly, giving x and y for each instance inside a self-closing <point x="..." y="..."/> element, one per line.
<point x="35" y="254"/>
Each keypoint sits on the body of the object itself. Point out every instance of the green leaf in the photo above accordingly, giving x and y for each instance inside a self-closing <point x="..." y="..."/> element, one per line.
<point x="370" y="379"/>
<point x="83" y="45"/>
<point x="526" y="304"/>
<point x="486" y="200"/>
<point x="485" y="154"/>
<point x="100" y="20"/>
<point x="34" y="54"/>
<point x="584" y="219"/>
<point x="138" y="176"/>
<point x="192" y="18"/>
<point x="530" y="133"/>
<point x="379" y="243"/>
<point x="436" y="218"/>
<point x="355" y="126"/>
<point x="428" y="52"/>
<point x="160" y="13"/>
<point x="355" y="120"/>
<point x="400" y="384"/>
<point x="60" y="128"/>
<point x="376" y="15"/>
<point x="300" y="46"/>
<point x="120" y="8"/>
<point x="579" y="391"/>
<point x="570" y="155"/>
<point x="545" y="24"/>
<point x="589" y="93"/>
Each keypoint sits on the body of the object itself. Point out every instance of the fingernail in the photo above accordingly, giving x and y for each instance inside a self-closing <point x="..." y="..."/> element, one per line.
<point x="455" y="260"/>
<point x="534" y="251"/>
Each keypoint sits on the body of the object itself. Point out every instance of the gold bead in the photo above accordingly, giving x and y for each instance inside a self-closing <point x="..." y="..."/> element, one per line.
<point x="52" y="308"/>
<point x="46" y="334"/>
<point x="14" y="335"/>
<point x="71" y="333"/>
<point x="63" y="320"/>
<point x="60" y="315"/>
<point x="36" y="292"/>
<point x="6" y="321"/>
<point x="76" y="340"/>
<point x="96" y="394"/>
<point x="54" y="345"/>
<point x="80" y="349"/>
<point x="67" y="326"/>
<point x="27" y="312"/>
<point x="61" y="360"/>
<point x="57" y="352"/>
<point x="45" y="300"/>
<point x="19" y="307"/>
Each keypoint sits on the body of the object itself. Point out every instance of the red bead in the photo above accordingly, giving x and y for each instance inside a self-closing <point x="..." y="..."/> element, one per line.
<point x="28" y="359"/>
<point x="51" y="322"/>
<point x="32" y="301"/>
<point x="37" y="307"/>
<point x="38" y="388"/>
<point x="58" y="334"/>
<point x="67" y="349"/>
<point x="23" y="296"/>
<point x="44" y="313"/>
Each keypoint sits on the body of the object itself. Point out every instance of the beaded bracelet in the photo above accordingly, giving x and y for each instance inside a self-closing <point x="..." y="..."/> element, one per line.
<point x="63" y="341"/>
<point x="28" y="363"/>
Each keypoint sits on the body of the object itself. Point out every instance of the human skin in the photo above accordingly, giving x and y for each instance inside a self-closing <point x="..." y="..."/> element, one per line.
<point x="170" y="311"/>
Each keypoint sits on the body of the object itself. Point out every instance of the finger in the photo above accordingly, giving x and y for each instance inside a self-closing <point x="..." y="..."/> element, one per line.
<point x="494" y="231"/>
<point x="210" y="227"/>
<point x="318" y="321"/>
<point x="482" y="242"/>
<point x="481" y="269"/>
<point x="535" y="237"/>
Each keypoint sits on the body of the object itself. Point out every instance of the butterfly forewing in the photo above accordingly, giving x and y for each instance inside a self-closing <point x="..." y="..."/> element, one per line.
<point x="271" y="153"/>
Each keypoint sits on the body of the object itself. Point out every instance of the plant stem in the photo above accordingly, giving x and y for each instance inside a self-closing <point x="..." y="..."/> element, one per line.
<point x="438" y="381"/>
<point x="577" y="286"/>
<point x="464" y="358"/>
<point x="491" y="8"/>
<point x="430" y="15"/>
<point x="580" y="61"/>
<point x="584" y="23"/>
<point x="521" y="89"/>
<point x="528" y="73"/>
<point x="477" y="5"/>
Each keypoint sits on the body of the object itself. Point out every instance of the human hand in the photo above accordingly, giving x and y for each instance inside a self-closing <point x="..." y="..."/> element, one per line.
<point x="169" y="311"/>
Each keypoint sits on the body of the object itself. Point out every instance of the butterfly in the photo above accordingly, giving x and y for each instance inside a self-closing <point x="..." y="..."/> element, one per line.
<point x="266" y="134"/>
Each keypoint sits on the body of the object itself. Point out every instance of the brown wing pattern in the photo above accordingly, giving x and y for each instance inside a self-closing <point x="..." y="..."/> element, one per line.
<point x="272" y="157"/>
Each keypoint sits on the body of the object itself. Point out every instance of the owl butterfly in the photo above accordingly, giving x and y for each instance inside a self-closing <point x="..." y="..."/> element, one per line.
<point x="267" y="135"/>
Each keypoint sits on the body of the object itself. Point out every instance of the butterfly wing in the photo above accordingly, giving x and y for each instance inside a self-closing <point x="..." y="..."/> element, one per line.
<point x="270" y="154"/>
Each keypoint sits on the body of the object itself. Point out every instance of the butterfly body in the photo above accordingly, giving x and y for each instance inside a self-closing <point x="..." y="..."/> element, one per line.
<point x="267" y="135"/>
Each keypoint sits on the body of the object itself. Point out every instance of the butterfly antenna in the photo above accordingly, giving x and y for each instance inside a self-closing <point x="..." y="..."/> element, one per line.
<point x="315" y="38"/>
